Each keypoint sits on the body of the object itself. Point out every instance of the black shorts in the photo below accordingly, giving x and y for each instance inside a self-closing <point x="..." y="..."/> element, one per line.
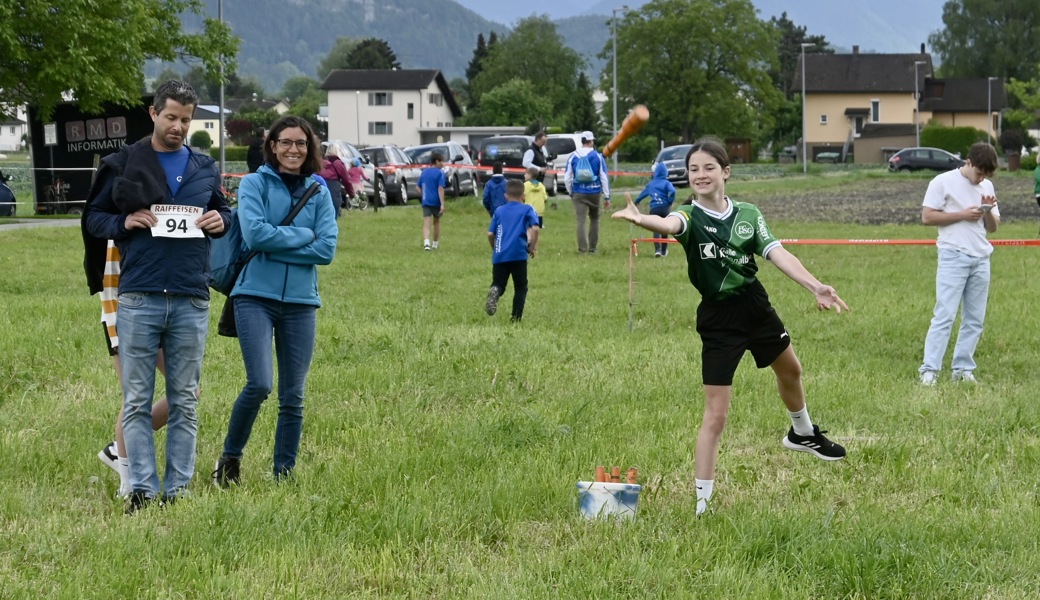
<point x="733" y="326"/>
<point x="431" y="211"/>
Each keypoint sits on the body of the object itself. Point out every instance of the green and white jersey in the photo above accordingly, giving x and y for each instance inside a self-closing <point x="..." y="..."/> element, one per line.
<point x="720" y="247"/>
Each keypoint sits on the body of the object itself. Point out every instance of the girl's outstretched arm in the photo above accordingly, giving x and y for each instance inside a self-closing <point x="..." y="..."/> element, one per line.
<point x="789" y="264"/>
<point x="669" y="225"/>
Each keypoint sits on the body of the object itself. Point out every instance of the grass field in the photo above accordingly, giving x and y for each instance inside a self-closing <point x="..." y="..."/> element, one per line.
<point x="441" y="446"/>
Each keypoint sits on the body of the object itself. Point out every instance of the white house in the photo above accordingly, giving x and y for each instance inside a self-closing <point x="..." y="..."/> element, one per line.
<point x="207" y="118"/>
<point x="405" y="107"/>
<point x="12" y="128"/>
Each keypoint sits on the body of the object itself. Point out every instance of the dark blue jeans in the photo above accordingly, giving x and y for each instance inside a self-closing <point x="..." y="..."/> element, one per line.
<point x="500" y="274"/>
<point x="293" y="329"/>
<point x="661" y="211"/>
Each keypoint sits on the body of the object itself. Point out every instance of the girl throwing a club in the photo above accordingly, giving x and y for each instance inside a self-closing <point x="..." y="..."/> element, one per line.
<point x="720" y="238"/>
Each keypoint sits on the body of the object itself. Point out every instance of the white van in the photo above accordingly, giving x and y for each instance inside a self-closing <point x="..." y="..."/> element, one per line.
<point x="561" y="145"/>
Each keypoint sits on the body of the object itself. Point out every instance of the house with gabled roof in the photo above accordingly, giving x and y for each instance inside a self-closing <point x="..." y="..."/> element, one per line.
<point x="406" y="107"/>
<point x="866" y="105"/>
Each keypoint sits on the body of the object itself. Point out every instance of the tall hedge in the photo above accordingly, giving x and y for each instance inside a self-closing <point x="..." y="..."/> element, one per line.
<point x="951" y="139"/>
<point x="230" y="152"/>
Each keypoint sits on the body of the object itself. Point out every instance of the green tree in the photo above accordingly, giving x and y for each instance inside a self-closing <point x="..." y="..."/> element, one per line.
<point x="992" y="38"/>
<point x="1025" y="97"/>
<point x="790" y="49"/>
<point x="583" y="115"/>
<point x="337" y="58"/>
<point x="534" y="52"/>
<point x="702" y="66"/>
<point x="516" y="102"/>
<point x="299" y="86"/>
<point x="97" y="50"/>
<point x="166" y="75"/>
<point x="201" y="139"/>
<point x="372" y="53"/>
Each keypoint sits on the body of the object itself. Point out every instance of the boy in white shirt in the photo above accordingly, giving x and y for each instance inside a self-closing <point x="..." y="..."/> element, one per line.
<point x="963" y="205"/>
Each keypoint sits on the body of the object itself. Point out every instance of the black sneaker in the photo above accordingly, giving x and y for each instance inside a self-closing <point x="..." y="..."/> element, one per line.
<point x="136" y="501"/>
<point x="108" y="456"/>
<point x="815" y="444"/>
<point x="226" y="472"/>
<point x="492" y="301"/>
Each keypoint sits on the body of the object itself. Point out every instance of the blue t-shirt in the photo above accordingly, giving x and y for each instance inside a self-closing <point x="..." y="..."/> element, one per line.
<point x="174" y="164"/>
<point x="509" y="224"/>
<point x="430" y="179"/>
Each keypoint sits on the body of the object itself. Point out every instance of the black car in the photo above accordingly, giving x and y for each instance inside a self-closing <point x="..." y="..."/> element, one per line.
<point x="509" y="151"/>
<point x="913" y="159"/>
<point x="7" y="201"/>
<point x="674" y="158"/>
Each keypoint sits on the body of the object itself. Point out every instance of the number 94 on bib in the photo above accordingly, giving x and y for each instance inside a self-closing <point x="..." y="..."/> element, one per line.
<point x="176" y="221"/>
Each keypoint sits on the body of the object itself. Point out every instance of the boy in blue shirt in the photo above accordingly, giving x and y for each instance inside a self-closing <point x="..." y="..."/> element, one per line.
<point x="513" y="235"/>
<point x="432" y="182"/>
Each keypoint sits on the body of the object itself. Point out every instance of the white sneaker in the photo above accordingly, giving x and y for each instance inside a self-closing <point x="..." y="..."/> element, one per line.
<point x="426" y="247"/>
<point x="702" y="507"/>
<point x="108" y="457"/>
<point x="964" y="376"/>
<point x="928" y="378"/>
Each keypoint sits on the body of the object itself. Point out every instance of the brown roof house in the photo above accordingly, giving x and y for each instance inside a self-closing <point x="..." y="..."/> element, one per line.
<point x="866" y="104"/>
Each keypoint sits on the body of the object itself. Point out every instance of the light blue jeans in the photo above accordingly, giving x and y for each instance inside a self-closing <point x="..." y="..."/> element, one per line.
<point x="178" y="324"/>
<point x="960" y="281"/>
<point x="293" y="327"/>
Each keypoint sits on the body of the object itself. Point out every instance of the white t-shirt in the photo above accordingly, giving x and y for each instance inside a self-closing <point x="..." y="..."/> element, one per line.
<point x="953" y="192"/>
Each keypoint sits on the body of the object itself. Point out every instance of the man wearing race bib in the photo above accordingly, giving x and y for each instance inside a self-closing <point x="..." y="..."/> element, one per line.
<point x="163" y="285"/>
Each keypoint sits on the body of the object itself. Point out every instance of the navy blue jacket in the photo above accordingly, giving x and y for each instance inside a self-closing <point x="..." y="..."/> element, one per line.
<point x="150" y="264"/>
<point x="660" y="190"/>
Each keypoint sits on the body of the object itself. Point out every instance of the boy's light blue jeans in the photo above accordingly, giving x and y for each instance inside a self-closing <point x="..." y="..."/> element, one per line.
<point x="180" y="325"/>
<point x="960" y="281"/>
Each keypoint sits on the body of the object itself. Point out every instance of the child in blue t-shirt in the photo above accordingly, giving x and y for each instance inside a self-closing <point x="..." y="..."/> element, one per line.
<point x="513" y="235"/>
<point x="495" y="190"/>
<point x="662" y="195"/>
<point x="431" y="183"/>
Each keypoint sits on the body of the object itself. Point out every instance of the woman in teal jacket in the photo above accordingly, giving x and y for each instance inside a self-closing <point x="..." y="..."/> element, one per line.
<point x="277" y="292"/>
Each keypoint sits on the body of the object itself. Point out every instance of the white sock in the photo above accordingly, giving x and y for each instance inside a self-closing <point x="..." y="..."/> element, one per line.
<point x="800" y="421"/>
<point x="124" y="477"/>
<point x="705" y="487"/>
<point x="426" y="242"/>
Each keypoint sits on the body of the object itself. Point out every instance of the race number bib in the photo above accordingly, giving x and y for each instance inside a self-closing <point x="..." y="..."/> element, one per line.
<point x="176" y="221"/>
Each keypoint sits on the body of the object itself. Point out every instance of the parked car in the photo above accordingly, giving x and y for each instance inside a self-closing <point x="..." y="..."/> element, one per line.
<point x="913" y="159"/>
<point x="458" y="167"/>
<point x="560" y="146"/>
<point x="674" y="158"/>
<point x="8" y="207"/>
<point x="509" y="150"/>
<point x="395" y="172"/>
<point x="348" y="152"/>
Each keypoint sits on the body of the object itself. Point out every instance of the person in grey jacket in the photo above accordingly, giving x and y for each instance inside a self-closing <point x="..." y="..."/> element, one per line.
<point x="276" y="295"/>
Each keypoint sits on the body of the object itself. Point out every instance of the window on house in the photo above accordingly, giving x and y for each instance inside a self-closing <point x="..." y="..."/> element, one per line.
<point x="858" y="125"/>
<point x="875" y="111"/>
<point x="437" y="99"/>
<point x="209" y="125"/>
<point x="411" y="111"/>
<point x="380" y="99"/>
<point x="823" y="119"/>
<point x="440" y="124"/>
<point x="10" y="130"/>
<point x="380" y="128"/>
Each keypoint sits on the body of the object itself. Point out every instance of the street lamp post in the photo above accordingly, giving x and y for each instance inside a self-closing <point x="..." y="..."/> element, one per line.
<point x="989" y="106"/>
<point x="917" y="103"/>
<point x="357" y="114"/>
<point x="805" y="167"/>
<point x="613" y="35"/>
<point x="220" y="107"/>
